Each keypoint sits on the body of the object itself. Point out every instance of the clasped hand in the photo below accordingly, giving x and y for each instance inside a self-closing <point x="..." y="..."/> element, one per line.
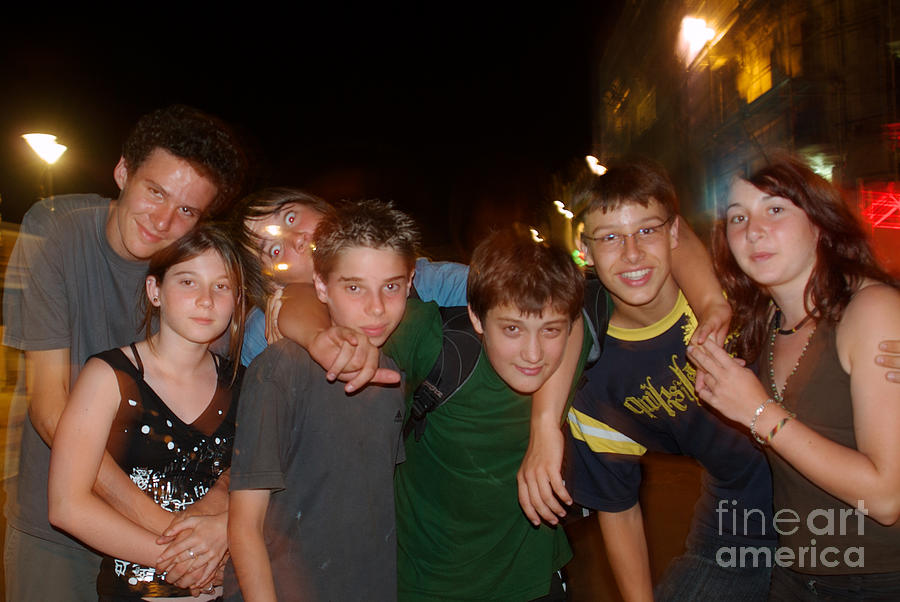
<point x="195" y="555"/>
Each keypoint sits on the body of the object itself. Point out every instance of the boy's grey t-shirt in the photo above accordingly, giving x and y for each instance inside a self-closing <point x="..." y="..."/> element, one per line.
<point x="329" y="460"/>
<point x="65" y="288"/>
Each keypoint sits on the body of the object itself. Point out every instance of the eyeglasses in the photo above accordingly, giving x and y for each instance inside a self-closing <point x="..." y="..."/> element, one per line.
<point x="612" y="241"/>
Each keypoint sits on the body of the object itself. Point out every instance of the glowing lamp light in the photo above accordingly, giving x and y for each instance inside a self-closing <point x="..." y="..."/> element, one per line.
<point x="594" y="165"/>
<point x="694" y="35"/>
<point x="535" y="236"/>
<point x="273" y="230"/>
<point x="281" y="267"/>
<point x="45" y="146"/>
<point x="562" y="209"/>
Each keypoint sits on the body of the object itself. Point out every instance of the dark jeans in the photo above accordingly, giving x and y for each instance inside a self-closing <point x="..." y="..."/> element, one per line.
<point x="697" y="575"/>
<point x="791" y="585"/>
<point x="37" y="569"/>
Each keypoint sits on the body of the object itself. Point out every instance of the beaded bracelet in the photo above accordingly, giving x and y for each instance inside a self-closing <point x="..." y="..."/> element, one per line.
<point x="756" y="414"/>
<point x="776" y="428"/>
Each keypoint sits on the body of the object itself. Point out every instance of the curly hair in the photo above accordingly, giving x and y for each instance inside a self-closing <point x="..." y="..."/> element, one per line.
<point x="202" y="140"/>
<point x="369" y="223"/>
<point x="510" y="268"/>
<point x="844" y="256"/>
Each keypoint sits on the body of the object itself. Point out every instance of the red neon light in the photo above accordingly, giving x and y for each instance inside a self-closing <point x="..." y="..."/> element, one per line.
<point x="881" y="208"/>
<point x="892" y="134"/>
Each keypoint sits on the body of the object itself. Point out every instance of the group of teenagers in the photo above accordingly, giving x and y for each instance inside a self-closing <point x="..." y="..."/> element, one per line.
<point x="191" y="433"/>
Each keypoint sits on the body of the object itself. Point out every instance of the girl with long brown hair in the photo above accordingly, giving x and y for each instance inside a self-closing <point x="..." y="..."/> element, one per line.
<point x="812" y="304"/>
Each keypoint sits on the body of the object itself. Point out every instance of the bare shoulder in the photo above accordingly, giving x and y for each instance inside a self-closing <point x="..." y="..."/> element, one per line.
<point x="871" y="316"/>
<point x="874" y="299"/>
<point x="96" y="383"/>
<point x="96" y="368"/>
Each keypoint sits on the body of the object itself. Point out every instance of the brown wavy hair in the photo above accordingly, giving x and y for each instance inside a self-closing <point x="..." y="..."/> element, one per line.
<point x="844" y="256"/>
<point x="510" y="268"/>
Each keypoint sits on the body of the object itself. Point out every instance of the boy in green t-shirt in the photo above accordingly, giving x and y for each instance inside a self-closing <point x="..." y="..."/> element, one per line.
<point x="460" y="531"/>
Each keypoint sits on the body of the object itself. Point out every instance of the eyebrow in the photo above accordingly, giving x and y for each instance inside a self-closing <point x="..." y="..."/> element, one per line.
<point x="359" y="278"/>
<point x="641" y="223"/>
<point x="765" y="197"/>
<point x="195" y="274"/>
<point x="154" y="184"/>
<point x="508" y="320"/>
<point x="560" y="322"/>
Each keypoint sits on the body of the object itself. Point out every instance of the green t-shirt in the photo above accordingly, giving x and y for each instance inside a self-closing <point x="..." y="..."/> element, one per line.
<point x="460" y="530"/>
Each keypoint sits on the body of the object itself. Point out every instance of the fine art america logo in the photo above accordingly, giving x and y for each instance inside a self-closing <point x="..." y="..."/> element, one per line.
<point x="820" y="522"/>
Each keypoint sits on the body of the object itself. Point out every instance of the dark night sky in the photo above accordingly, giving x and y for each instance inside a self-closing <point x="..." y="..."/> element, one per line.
<point x="461" y="118"/>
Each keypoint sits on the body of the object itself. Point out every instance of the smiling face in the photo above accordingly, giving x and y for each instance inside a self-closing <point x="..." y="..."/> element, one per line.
<point x="196" y="298"/>
<point x="772" y="240"/>
<point x="635" y="264"/>
<point x="524" y="350"/>
<point x="159" y="202"/>
<point x="285" y="242"/>
<point x="366" y="291"/>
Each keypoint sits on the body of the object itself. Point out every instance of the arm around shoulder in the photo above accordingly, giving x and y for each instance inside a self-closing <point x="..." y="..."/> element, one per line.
<point x="540" y="483"/>
<point x="693" y="271"/>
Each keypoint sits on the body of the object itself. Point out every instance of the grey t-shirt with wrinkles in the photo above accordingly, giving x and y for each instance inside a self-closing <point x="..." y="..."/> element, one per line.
<point x="328" y="459"/>
<point x="65" y="288"/>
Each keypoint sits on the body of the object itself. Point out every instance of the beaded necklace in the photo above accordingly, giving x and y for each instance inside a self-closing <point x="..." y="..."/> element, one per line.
<point x="778" y="395"/>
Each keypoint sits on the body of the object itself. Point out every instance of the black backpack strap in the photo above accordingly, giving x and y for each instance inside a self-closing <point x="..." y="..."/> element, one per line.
<point x="597" y="312"/>
<point x="460" y="350"/>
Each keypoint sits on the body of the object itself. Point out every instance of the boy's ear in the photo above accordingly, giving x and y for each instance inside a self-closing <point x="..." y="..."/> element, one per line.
<point x="321" y="288"/>
<point x="152" y="288"/>
<point x="476" y="323"/>
<point x="120" y="173"/>
<point x="673" y="232"/>
<point x="586" y="250"/>
<point x="409" y="282"/>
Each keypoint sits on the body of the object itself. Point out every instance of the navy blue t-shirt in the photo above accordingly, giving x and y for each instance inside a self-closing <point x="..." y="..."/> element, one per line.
<point x="640" y="397"/>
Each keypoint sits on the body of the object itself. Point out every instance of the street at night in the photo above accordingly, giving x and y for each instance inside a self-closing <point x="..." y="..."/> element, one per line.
<point x="673" y="149"/>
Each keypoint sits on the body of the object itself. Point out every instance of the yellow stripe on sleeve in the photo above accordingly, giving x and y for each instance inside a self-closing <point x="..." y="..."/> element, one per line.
<point x="602" y="438"/>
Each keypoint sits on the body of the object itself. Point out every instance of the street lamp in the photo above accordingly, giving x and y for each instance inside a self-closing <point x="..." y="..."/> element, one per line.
<point x="46" y="147"/>
<point x="694" y="36"/>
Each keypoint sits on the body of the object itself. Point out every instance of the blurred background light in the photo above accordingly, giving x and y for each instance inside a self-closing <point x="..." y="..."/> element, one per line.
<point x="594" y="165"/>
<point x="694" y="35"/>
<point x="45" y="146"/>
<point x="562" y="209"/>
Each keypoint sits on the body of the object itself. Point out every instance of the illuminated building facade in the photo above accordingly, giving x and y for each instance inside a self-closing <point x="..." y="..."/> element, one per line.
<point x="707" y="95"/>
